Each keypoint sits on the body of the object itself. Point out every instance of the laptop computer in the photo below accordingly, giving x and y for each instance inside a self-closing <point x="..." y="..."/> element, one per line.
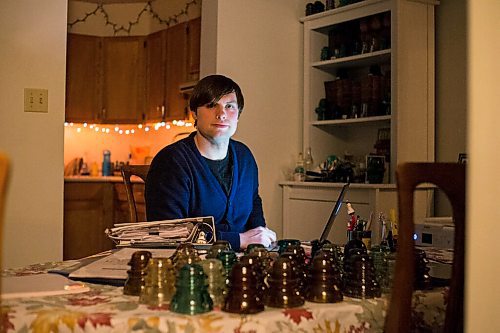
<point x="323" y="238"/>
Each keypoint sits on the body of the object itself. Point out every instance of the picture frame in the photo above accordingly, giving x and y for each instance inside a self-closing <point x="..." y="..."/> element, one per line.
<point x="375" y="169"/>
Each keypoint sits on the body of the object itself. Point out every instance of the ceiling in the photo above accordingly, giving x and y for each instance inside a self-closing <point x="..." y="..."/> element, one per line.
<point x="107" y="2"/>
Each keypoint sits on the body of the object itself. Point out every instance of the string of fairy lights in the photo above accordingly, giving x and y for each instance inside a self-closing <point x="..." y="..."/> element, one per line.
<point x="148" y="8"/>
<point x="127" y="129"/>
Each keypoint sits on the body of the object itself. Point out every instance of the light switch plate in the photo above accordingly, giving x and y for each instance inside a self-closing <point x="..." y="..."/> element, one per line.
<point x="36" y="100"/>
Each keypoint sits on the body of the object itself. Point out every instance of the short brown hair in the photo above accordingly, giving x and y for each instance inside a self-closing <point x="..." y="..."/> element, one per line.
<point x="211" y="88"/>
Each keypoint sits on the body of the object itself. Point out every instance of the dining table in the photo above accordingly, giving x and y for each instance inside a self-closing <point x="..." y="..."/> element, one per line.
<point x="105" y="308"/>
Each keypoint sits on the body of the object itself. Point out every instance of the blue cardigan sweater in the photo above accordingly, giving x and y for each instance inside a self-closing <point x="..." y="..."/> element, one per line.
<point x="180" y="184"/>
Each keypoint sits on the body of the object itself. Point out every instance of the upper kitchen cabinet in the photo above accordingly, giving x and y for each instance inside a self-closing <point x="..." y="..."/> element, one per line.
<point x="173" y="59"/>
<point x="123" y="78"/>
<point x="156" y="48"/>
<point x="176" y="70"/>
<point x="83" y="97"/>
<point x="105" y="79"/>
<point x="132" y="79"/>
<point x="194" y="38"/>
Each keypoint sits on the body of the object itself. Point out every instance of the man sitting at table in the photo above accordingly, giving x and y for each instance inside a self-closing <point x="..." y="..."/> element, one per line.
<point x="208" y="173"/>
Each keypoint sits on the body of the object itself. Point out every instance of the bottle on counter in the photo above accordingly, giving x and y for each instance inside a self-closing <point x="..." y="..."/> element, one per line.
<point x="84" y="170"/>
<point x="94" y="170"/>
<point x="106" y="163"/>
<point x="299" y="173"/>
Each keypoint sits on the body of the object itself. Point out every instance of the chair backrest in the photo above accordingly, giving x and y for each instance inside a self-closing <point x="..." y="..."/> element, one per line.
<point x="4" y="175"/>
<point x="140" y="171"/>
<point x="449" y="177"/>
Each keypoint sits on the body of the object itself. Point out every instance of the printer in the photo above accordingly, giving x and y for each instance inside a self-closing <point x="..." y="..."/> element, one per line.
<point x="435" y="235"/>
<point x="434" y="231"/>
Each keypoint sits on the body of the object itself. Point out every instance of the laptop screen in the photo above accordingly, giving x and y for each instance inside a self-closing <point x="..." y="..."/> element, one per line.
<point x="333" y="215"/>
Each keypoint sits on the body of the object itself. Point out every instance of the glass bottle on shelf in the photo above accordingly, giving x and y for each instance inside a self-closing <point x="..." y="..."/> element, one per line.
<point x="299" y="173"/>
<point x="309" y="162"/>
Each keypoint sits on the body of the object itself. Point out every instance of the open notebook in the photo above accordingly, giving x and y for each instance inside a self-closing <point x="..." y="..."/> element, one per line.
<point x="39" y="285"/>
<point x="112" y="269"/>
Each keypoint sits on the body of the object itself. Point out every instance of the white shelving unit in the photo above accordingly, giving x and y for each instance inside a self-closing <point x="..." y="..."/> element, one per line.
<point x="411" y="63"/>
<point x="410" y="59"/>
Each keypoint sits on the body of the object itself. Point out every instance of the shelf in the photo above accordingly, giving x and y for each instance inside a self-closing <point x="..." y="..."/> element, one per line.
<point x="358" y="6"/>
<point x="342" y="122"/>
<point x="361" y="60"/>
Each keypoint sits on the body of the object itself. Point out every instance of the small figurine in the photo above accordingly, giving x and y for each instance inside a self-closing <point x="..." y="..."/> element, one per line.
<point x="201" y="238"/>
<point x="351" y="223"/>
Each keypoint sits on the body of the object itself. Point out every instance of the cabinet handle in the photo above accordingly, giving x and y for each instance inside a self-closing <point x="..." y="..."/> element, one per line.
<point x="103" y="113"/>
<point x="163" y="112"/>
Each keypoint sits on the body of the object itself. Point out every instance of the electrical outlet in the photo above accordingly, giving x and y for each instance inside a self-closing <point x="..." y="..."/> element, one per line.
<point x="36" y="100"/>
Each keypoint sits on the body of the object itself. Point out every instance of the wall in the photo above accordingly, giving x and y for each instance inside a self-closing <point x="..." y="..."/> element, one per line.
<point x="133" y="19"/>
<point x="258" y="44"/>
<point x="451" y="80"/>
<point x="89" y="144"/>
<point x="32" y="55"/>
<point x="451" y="87"/>
<point x="482" y="257"/>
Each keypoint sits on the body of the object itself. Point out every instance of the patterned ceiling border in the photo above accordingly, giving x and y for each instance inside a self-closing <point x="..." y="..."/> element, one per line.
<point x="148" y="8"/>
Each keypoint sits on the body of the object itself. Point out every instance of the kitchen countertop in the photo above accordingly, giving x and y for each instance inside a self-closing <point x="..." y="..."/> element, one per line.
<point x="98" y="179"/>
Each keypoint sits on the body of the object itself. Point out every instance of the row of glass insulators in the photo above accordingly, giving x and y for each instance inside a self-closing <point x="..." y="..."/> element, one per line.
<point x="376" y="270"/>
<point x="201" y="285"/>
<point x="245" y="286"/>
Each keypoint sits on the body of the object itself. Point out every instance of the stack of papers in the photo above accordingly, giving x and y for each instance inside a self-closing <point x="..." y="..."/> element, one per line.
<point x="168" y="233"/>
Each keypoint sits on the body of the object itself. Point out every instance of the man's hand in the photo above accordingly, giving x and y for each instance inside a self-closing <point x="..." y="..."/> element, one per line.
<point x="259" y="235"/>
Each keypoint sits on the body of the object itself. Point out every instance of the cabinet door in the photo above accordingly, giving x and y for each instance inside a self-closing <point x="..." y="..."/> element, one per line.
<point x="83" y="100"/>
<point x="194" y="41"/>
<point x="88" y="211"/>
<point x="123" y="76"/>
<point x="176" y="62"/>
<point x="155" y="76"/>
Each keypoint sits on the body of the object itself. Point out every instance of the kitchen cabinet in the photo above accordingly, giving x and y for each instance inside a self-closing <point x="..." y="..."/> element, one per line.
<point x="176" y="71"/>
<point x="395" y="37"/>
<point x="156" y="48"/>
<point x="105" y="79"/>
<point x="194" y="44"/>
<point x="83" y="86"/>
<point x="123" y="79"/>
<point x="166" y="70"/>
<point x="173" y="58"/>
<point x="91" y="205"/>
<point x="132" y="79"/>
<point x="88" y="211"/>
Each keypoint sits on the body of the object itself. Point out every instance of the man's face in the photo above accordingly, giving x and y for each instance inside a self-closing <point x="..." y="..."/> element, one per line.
<point x="218" y="121"/>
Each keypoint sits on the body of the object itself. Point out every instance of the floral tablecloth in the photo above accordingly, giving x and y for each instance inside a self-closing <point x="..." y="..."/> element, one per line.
<point x="105" y="309"/>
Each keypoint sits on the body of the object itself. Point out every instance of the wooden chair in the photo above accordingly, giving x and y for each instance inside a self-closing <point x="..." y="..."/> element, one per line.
<point x="449" y="177"/>
<point x="140" y="171"/>
<point x="4" y="175"/>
